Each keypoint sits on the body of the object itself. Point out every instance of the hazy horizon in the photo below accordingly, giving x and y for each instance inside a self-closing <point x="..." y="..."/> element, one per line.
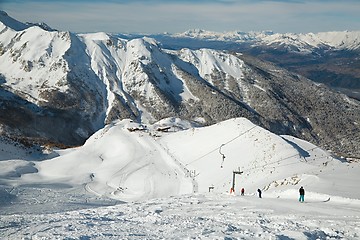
<point x="174" y="16"/>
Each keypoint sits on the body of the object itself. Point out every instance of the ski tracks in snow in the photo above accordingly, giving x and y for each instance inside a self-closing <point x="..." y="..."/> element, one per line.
<point x="199" y="216"/>
<point x="164" y="175"/>
<point x="181" y="166"/>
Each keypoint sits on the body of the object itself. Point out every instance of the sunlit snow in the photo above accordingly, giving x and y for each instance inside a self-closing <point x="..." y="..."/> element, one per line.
<point x="170" y="181"/>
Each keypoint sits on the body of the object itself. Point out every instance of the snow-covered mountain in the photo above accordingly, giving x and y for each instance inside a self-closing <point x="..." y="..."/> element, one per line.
<point x="167" y="133"/>
<point x="170" y="180"/>
<point x="19" y="26"/>
<point x="128" y="161"/>
<point x="60" y="87"/>
<point x="331" y="58"/>
<point x="303" y="42"/>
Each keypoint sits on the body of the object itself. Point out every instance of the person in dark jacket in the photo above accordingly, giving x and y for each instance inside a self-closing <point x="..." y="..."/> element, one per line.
<point x="259" y="191"/>
<point x="302" y="194"/>
<point x="242" y="192"/>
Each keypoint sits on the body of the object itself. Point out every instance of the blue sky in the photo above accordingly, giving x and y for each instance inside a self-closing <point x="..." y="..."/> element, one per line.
<point x="157" y="16"/>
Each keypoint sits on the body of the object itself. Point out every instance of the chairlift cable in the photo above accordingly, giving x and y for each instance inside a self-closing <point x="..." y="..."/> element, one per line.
<point x="221" y="145"/>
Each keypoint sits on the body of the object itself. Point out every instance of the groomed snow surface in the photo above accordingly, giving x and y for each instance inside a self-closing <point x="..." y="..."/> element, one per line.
<point x="170" y="181"/>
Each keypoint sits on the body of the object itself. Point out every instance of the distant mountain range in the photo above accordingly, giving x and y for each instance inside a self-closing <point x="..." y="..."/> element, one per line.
<point x="331" y="58"/>
<point x="296" y="42"/>
<point x="60" y="87"/>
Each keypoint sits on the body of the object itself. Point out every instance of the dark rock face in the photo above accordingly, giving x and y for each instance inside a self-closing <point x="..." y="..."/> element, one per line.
<point x="31" y="124"/>
<point x="304" y="109"/>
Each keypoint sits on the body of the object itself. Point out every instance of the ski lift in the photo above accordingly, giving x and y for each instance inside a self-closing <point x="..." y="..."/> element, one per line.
<point x="223" y="155"/>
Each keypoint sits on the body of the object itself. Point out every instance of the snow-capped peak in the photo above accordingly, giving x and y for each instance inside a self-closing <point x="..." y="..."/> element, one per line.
<point x="336" y="39"/>
<point x="11" y="22"/>
<point x="237" y="36"/>
<point x="100" y="77"/>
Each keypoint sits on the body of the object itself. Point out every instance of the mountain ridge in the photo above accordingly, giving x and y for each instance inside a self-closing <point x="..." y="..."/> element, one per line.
<point x="336" y="39"/>
<point x="326" y="57"/>
<point x="62" y="87"/>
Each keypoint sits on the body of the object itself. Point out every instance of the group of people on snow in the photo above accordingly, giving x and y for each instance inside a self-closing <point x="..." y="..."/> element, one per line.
<point x="243" y="192"/>
<point x="301" y="192"/>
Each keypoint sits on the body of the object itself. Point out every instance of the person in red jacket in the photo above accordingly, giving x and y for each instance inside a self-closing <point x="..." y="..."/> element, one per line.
<point x="242" y="191"/>
<point x="302" y="194"/>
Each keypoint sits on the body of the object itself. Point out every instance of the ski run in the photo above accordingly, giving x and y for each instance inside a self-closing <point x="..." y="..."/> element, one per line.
<point x="172" y="180"/>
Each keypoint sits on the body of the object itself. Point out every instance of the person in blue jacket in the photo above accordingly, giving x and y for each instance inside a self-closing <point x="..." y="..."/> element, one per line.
<point x="302" y="194"/>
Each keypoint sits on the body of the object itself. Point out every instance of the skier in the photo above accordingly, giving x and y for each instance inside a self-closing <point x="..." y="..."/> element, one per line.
<point x="259" y="191"/>
<point x="302" y="194"/>
<point x="242" y="191"/>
